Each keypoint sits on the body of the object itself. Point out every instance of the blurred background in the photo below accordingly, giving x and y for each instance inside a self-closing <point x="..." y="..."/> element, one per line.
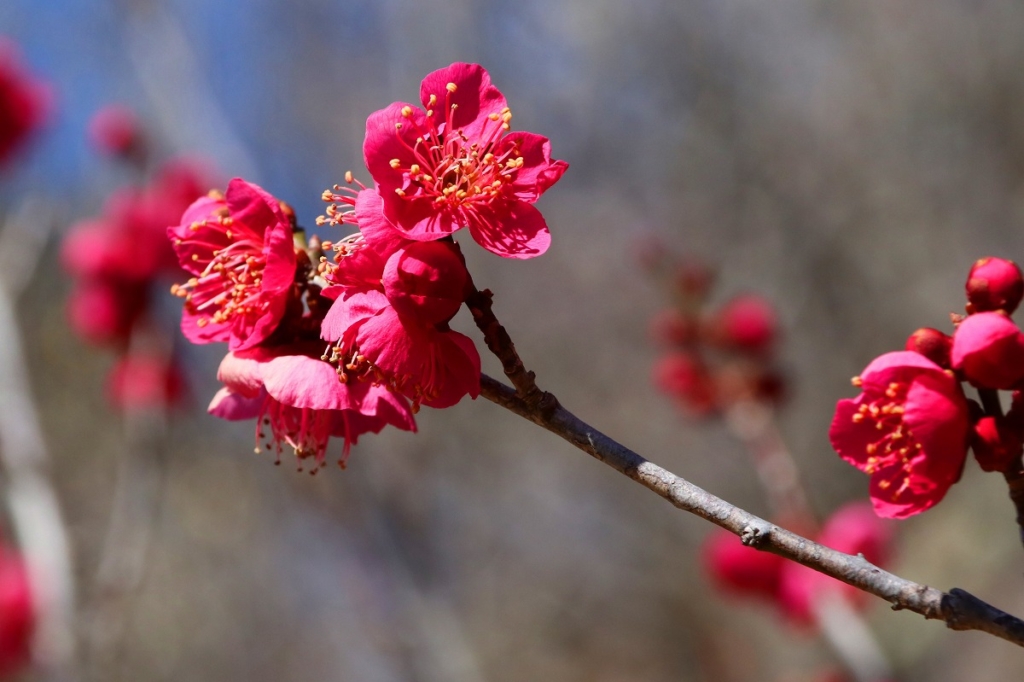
<point x="847" y="160"/>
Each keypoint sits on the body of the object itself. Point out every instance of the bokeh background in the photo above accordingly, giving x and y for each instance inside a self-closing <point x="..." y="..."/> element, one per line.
<point x="849" y="160"/>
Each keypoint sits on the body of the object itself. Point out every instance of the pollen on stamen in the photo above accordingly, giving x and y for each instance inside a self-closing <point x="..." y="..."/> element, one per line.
<point x="432" y="101"/>
<point x="407" y="111"/>
<point x="451" y="87"/>
<point x="348" y="177"/>
<point x="394" y="163"/>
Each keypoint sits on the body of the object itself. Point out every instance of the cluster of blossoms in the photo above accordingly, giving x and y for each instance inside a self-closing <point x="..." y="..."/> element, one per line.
<point x="116" y="258"/>
<point x="716" y="359"/>
<point x="912" y="425"/>
<point x="342" y="337"/>
<point x="24" y="101"/>
<point x="795" y="591"/>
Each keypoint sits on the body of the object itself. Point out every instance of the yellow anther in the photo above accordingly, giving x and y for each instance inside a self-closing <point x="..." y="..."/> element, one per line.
<point x="327" y="195"/>
<point x="407" y="111"/>
<point x="451" y="87"/>
<point x="348" y="177"/>
<point x="489" y="157"/>
<point x="858" y="418"/>
<point x="394" y="163"/>
<point x="493" y="116"/>
<point x="432" y="101"/>
<point x="398" y="126"/>
<point x="399" y="191"/>
<point x="430" y="112"/>
<point x="414" y="169"/>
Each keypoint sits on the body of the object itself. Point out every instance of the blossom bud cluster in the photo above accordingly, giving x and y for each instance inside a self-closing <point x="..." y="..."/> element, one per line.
<point x="912" y="425"/>
<point x="713" y="359"/>
<point x="115" y="259"/>
<point x="341" y="336"/>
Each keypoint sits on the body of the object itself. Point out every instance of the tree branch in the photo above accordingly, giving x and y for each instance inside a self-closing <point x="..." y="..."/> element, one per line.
<point x="959" y="609"/>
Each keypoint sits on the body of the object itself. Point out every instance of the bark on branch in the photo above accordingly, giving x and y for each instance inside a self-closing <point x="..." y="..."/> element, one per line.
<point x="959" y="609"/>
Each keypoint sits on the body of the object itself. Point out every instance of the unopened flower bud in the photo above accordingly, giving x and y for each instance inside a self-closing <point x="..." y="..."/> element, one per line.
<point x="115" y="130"/>
<point x="994" y="284"/>
<point x="672" y="328"/>
<point x="997" y="446"/>
<point x="747" y="323"/>
<point x="932" y="344"/>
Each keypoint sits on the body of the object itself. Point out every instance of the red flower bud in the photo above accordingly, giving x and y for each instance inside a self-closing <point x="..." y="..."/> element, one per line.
<point x="997" y="446"/>
<point x="989" y="349"/>
<point x="748" y="323"/>
<point x="994" y="284"/>
<point x="932" y="344"/>
<point x="115" y="130"/>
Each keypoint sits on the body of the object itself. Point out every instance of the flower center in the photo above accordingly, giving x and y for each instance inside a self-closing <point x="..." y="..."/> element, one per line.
<point x="448" y="168"/>
<point x="896" y="443"/>
<point x="229" y="286"/>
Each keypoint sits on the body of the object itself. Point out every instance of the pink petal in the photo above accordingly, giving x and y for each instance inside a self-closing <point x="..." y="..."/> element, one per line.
<point x="350" y="310"/>
<point x="458" y="362"/>
<point x="235" y="407"/>
<point x="539" y="172"/>
<point x="475" y="96"/>
<point x="241" y="374"/>
<point x="252" y="206"/>
<point x="989" y="349"/>
<point x="512" y="230"/>
<point x="384" y="142"/>
<point x="306" y="383"/>
<point x="381" y="236"/>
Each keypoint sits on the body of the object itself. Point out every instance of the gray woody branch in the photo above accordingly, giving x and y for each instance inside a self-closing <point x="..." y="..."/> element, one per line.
<point x="959" y="609"/>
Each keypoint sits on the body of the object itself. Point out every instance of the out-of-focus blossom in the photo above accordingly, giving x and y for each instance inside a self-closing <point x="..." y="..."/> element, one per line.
<point x="17" y="613"/>
<point x="989" y="349"/>
<point x="852" y="529"/>
<point x="795" y="590"/>
<point x="453" y="164"/>
<point x="394" y="298"/>
<point x="747" y="322"/>
<point x="115" y="130"/>
<point x="239" y="249"/>
<point x="143" y="380"/>
<point x="994" y="284"/>
<point x="740" y="570"/>
<point x="907" y="429"/>
<point x="103" y="312"/>
<point x="298" y="401"/>
<point x="24" y="101"/>
<point x="681" y="375"/>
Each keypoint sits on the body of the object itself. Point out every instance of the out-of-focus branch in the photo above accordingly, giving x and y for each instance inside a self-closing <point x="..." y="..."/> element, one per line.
<point x="35" y="509"/>
<point x="959" y="609"/>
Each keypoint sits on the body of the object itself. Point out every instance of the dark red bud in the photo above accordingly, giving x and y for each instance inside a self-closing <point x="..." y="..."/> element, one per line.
<point x="997" y="446"/>
<point x="994" y="284"/>
<point x="932" y="344"/>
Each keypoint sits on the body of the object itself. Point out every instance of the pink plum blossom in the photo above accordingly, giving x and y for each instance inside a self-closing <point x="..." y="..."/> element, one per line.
<point x="393" y="300"/>
<point x="115" y="130"/>
<point x="239" y="249"/>
<point x="453" y="164"/>
<point x="299" y="399"/>
<point x="907" y="429"/>
<point x="989" y="349"/>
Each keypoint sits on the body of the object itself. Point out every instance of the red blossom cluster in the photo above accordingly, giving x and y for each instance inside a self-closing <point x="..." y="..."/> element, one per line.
<point x="796" y="591"/>
<point x="341" y="337"/>
<point x="912" y="425"/>
<point x="115" y="259"/>
<point x="24" y="101"/>
<point x="715" y="359"/>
